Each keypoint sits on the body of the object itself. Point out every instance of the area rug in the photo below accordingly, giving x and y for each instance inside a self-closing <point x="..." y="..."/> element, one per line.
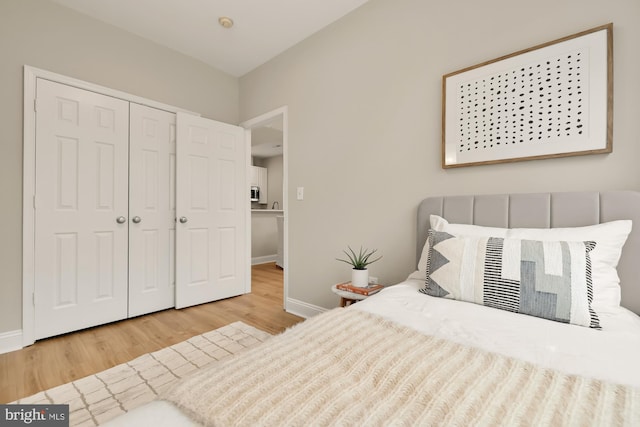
<point x="98" y="398"/>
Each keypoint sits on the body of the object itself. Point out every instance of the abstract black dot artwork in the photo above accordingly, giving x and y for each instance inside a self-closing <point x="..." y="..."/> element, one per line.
<point x="552" y="100"/>
<point x="533" y="104"/>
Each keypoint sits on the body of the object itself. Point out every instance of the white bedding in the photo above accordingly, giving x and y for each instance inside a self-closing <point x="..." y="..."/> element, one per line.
<point x="611" y="354"/>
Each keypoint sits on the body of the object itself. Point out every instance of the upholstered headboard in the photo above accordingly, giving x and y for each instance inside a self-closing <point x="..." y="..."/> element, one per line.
<point x="547" y="210"/>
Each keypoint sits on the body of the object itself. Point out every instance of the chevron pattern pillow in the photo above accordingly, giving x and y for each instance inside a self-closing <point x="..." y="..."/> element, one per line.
<point x="547" y="279"/>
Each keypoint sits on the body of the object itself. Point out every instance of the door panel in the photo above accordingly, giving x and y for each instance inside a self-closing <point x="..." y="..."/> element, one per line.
<point x="152" y="200"/>
<point x="106" y="170"/>
<point x="66" y="263"/>
<point x="81" y="188"/>
<point x="212" y="206"/>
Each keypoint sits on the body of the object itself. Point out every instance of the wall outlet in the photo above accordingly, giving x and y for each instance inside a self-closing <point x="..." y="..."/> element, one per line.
<point x="373" y="280"/>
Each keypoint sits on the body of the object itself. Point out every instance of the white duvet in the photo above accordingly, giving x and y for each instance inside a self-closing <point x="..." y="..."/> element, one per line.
<point x="610" y="354"/>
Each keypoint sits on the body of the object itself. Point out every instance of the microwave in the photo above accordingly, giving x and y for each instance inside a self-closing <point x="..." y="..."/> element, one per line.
<point x="255" y="193"/>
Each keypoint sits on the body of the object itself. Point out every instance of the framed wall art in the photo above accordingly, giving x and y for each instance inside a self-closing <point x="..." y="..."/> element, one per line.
<point x="551" y="100"/>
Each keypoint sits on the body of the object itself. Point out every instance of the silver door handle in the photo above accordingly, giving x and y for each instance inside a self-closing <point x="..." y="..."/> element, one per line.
<point x="183" y="219"/>
<point x="121" y="220"/>
<point x="136" y="219"/>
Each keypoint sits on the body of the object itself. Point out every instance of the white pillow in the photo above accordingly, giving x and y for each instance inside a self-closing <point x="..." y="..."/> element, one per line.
<point x="440" y="224"/>
<point x="609" y="237"/>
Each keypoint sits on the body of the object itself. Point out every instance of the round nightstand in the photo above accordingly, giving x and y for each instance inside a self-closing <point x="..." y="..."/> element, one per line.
<point x="346" y="297"/>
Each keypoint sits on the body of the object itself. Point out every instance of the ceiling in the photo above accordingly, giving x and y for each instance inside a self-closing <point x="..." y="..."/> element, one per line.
<point x="267" y="139"/>
<point x="262" y="28"/>
<point x="266" y="142"/>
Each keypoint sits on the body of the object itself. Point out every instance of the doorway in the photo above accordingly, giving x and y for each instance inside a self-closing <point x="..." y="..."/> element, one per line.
<point x="269" y="214"/>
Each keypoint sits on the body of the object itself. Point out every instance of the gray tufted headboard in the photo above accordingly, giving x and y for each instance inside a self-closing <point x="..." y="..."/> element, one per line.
<point x="547" y="210"/>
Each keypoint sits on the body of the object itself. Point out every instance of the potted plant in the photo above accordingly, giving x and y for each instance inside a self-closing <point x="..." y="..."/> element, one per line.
<point x="359" y="262"/>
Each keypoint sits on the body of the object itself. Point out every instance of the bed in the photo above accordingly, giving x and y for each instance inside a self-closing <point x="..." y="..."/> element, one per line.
<point x="403" y="357"/>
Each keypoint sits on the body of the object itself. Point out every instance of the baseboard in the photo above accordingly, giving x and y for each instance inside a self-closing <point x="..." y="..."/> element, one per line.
<point x="303" y="309"/>
<point x="10" y="341"/>
<point x="263" y="259"/>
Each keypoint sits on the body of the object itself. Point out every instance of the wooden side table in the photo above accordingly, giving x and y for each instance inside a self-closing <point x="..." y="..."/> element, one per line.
<point x="346" y="297"/>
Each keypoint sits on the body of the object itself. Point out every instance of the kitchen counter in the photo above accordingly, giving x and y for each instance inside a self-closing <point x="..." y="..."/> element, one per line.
<point x="278" y="211"/>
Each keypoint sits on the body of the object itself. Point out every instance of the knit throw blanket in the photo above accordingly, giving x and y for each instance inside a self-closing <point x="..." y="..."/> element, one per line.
<point x="346" y="367"/>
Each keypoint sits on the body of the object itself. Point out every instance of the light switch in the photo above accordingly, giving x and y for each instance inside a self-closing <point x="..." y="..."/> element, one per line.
<point x="300" y="193"/>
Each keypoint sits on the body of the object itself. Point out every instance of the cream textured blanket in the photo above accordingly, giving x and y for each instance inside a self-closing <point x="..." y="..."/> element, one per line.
<point x="346" y="367"/>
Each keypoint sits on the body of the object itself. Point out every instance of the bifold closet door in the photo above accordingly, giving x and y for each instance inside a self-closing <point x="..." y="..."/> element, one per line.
<point x="212" y="204"/>
<point x="81" y="202"/>
<point x="152" y="210"/>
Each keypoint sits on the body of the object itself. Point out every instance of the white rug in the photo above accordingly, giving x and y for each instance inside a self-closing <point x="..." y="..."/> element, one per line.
<point x="98" y="398"/>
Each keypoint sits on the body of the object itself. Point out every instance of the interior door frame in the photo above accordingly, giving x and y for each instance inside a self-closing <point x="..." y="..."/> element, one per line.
<point x="31" y="74"/>
<point x="259" y="122"/>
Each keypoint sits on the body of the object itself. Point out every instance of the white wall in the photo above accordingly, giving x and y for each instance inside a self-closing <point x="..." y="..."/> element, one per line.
<point x="364" y="98"/>
<point x="45" y="35"/>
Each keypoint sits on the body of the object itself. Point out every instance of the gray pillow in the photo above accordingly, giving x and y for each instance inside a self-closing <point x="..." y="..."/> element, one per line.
<point x="547" y="279"/>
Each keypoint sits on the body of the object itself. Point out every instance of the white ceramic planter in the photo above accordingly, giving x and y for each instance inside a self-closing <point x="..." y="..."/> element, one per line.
<point x="360" y="278"/>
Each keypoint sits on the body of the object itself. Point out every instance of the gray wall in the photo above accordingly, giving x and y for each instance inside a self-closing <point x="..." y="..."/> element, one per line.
<point x="274" y="167"/>
<point x="45" y="35"/>
<point x="364" y="98"/>
<point x="264" y="235"/>
<point x="264" y="229"/>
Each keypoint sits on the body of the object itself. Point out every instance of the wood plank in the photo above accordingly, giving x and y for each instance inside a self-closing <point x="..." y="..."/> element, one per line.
<point x="58" y="360"/>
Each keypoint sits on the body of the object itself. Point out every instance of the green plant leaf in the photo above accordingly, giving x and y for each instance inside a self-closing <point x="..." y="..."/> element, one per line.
<point x="361" y="260"/>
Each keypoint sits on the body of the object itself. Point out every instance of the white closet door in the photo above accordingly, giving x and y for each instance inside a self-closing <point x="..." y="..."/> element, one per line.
<point x="211" y="206"/>
<point x="152" y="210"/>
<point x="81" y="209"/>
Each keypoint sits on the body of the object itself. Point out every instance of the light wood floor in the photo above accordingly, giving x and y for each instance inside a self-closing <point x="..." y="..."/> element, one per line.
<point x="65" y="358"/>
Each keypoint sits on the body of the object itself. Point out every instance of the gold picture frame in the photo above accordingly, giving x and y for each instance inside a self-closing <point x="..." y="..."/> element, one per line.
<point x="551" y="100"/>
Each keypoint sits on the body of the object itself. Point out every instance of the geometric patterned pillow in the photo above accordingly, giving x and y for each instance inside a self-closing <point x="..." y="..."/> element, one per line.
<point x="546" y="279"/>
